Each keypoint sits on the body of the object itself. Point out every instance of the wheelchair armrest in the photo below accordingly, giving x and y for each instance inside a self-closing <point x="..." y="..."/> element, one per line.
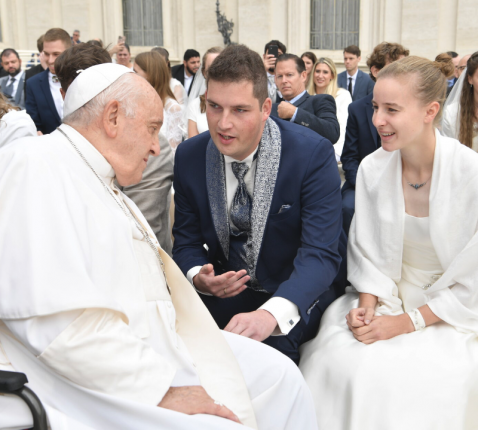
<point x="14" y="383"/>
<point x="11" y="381"/>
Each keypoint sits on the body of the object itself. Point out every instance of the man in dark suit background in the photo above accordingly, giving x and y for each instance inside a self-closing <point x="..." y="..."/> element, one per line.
<point x="12" y="85"/>
<point x="319" y="113"/>
<point x="264" y="195"/>
<point x="186" y="72"/>
<point x="44" y="102"/>
<point x="361" y="137"/>
<point x="352" y="79"/>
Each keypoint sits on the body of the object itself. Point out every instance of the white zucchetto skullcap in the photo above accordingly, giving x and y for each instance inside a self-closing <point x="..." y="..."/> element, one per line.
<point x="89" y="83"/>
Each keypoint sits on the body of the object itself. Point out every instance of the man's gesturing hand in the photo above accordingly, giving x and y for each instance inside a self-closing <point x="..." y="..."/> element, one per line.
<point x="194" y="400"/>
<point x="257" y="325"/>
<point x="229" y="284"/>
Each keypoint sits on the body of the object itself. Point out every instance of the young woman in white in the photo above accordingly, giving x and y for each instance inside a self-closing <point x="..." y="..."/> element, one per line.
<point x="324" y="81"/>
<point x="153" y="67"/>
<point x="398" y="350"/>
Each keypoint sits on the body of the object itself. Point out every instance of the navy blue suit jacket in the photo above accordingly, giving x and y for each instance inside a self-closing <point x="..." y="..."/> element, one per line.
<point x="299" y="256"/>
<point x="319" y="113"/>
<point x="40" y="105"/>
<point x="361" y="138"/>
<point x="363" y="84"/>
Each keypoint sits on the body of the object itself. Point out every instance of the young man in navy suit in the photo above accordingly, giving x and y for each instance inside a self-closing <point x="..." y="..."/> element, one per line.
<point x="319" y="113"/>
<point x="258" y="227"/>
<point x="361" y="137"/>
<point x="352" y="79"/>
<point x="44" y="102"/>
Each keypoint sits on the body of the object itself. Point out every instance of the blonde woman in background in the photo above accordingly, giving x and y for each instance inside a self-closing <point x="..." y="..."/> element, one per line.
<point x="197" y="122"/>
<point x="324" y="81"/>
<point x="153" y="67"/>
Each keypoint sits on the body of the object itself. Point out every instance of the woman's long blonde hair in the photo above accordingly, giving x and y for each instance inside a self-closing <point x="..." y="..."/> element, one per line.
<point x="467" y="104"/>
<point x="156" y="68"/>
<point x="333" y="87"/>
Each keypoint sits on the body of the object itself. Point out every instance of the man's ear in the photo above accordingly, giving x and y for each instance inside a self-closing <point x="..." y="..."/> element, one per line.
<point x="375" y="70"/>
<point x="63" y="94"/>
<point x="266" y="108"/>
<point x="111" y="119"/>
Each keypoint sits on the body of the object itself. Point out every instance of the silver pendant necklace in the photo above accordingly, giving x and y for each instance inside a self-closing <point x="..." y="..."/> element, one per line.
<point x="417" y="186"/>
<point x="129" y="214"/>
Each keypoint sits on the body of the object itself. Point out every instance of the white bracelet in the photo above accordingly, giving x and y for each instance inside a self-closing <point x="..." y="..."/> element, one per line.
<point x="417" y="319"/>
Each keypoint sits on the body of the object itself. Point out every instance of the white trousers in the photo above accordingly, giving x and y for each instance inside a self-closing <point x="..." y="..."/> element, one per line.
<point x="280" y="397"/>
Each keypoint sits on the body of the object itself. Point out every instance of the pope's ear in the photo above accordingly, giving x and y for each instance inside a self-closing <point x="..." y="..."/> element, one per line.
<point x="111" y="118"/>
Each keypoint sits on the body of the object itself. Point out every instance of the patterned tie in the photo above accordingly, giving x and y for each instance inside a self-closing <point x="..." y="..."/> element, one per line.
<point x="272" y="88"/>
<point x="242" y="202"/>
<point x="350" y="86"/>
<point x="9" y="88"/>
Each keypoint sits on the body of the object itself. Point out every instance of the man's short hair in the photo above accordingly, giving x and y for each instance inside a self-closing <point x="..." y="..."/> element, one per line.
<point x="95" y="42"/>
<point x="452" y="54"/>
<point x="76" y="31"/>
<point x="40" y="43"/>
<point x="78" y="57"/>
<point x="8" y="51"/>
<point x="354" y="50"/>
<point x="190" y="53"/>
<point x="238" y="63"/>
<point x="280" y="45"/>
<point x="162" y="51"/>
<point x="299" y="62"/>
<point x="383" y="53"/>
<point x="57" y="34"/>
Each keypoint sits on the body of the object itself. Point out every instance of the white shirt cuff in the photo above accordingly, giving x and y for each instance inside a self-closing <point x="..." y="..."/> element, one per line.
<point x="191" y="274"/>
<point x="285" y="312"/>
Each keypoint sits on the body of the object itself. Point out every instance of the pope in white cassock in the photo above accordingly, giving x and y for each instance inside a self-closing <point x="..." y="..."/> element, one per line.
<point x="105" y="326"/>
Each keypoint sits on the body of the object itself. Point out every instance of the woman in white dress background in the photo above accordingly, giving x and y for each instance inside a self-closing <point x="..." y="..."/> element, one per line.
<point x="398" y="349"/>
<point x="460" y="119"/>
<point x="14" y="123"/>
<point x="197" y="121"/>
<point x="324" y="81"/>
<point x="153" y="67"/>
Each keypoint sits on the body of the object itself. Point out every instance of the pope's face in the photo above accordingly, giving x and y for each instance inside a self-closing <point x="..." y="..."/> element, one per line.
<point x="235" y="118"/>
<point x="137" y="137"/>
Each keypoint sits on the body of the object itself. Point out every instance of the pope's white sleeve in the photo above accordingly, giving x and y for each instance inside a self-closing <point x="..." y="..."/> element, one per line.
<point x="285" y="312"/>
<point x="99" y="351"/>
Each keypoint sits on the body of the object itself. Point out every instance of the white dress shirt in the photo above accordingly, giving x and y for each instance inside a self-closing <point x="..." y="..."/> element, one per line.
<point x="55" y="93"/>
<point x="188" y="80"/>
<point x="354" y="78"/>
<point x="283" y="310"/>
<point x="15" y="83"/>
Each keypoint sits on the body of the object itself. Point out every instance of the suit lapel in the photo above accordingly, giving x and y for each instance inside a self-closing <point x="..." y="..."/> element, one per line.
<point x="302" y="99"/>
<point x="369" y="113"/>
<point x="358" y="82"/>
<point x="268" y="161"/>
<point x="19" y="94"/>
<point x="45" y="86"/>
<point x="216" y="190"/>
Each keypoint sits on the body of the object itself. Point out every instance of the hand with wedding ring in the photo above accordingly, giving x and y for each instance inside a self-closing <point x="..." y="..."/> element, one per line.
<point x="227" y="285"/>
<point x="192" y="400"/>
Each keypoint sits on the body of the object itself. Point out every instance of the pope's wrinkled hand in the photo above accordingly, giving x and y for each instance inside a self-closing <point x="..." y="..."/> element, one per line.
<point x="286" y="110"/>
<point x="194" y="400"/>
<point x="359" y="317"/>
<point x="257" y="325"/>
<point x="227" y="285"/>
